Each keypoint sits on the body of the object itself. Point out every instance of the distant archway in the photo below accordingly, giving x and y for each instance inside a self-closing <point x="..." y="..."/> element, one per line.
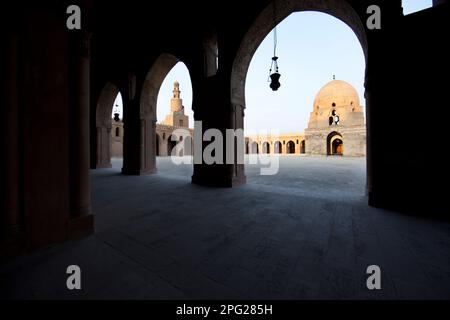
<point x="335" y="144"/>
<point x="266" y="147"/>
<point x="148" y="103"/>
<point x="277" y="147"/>
<point x="170" y="145"/>
<point x="103" y="123"/>
<point x="303" y="147"/>
<point x="290" y="147"/>
<point x="254" y="148"/>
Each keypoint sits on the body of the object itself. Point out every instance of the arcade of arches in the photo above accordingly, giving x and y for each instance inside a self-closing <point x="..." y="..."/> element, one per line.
<point x="58" y="87"/>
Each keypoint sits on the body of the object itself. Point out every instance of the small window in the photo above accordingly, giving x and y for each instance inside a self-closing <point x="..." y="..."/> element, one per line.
<point x="334" y="104"/>
<point x="117" y="132"/>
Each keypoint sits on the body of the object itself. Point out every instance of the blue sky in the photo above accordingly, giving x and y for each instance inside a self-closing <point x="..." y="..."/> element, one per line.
<point x="312" y="47"/>
<point x="410" y="6"/>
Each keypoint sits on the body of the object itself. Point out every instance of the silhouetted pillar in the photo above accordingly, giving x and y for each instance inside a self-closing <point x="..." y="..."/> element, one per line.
<point x="139" y="135"/>
<point x="81" y="219"/>
<point x="215" y="111"/>
<point x="103" y="158"/>
<point x="11" y="219"/>
<point x="237" y="122"/>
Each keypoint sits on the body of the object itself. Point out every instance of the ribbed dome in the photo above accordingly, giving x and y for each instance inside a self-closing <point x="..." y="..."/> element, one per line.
<point x="337" y="92"/>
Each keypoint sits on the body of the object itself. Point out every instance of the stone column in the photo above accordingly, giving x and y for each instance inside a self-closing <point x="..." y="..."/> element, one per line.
<point x="11" y="221"/>
<point x="147" y="146"/>
<point x="131" y="137"/>
<point x="81" y="219"/>
<point x="103" y="158"/>
<point x="237" y="122"/>
<point x="139" y="135"/>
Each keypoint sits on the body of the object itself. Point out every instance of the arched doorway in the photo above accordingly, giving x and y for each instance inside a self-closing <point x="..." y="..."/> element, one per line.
<point x="290" y="147"/>
<point x="148" y="109"/>
<point x="277" y="147"/>
<point x="266" y="147"/>
<point x="254" y="148"/>
<point x="335" y="144"/>
<point x="103" y="123"/>
<point x="170" y="146"/>
<point x="267" y="20"/>
<point x="303" y="147"/>
<point x="337" y="147"/>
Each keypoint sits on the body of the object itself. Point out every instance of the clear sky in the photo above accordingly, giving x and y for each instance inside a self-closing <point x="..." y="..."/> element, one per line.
<point x="312" y="47"/>
<point x="410" y="6"/>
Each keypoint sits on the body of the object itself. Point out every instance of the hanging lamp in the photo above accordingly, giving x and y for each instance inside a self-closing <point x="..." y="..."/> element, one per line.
<point x="116" y="113"/>
<point x="275" y="76"/>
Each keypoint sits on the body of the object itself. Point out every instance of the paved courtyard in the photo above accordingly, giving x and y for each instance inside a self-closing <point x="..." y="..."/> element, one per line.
<point x="305" y="233"/>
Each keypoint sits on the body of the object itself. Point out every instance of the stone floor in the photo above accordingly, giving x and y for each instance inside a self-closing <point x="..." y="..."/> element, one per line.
<point x="305" y="233"/>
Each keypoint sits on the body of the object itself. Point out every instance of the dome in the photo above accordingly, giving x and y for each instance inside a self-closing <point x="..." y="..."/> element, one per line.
<point x="336" y="93"/>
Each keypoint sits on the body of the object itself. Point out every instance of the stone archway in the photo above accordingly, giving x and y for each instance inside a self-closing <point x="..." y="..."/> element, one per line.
<point x="290" y="147"/>
<point x="147" y="109"/>
<point x="103" y="125"/>
<point x="337" y="147"/>
<point x="170" y="145"/>
<point x="266" y="21"/>
<point x="263" y="25"/>
<point x="335" y="144"/>
<point x="277" y="147"/>
<point x="303" y="147"/>
<point x="266" y="148"/>
<point x="254" y="147"/>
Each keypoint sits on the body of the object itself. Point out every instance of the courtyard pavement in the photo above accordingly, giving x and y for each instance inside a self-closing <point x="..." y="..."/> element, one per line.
<point x="305" y="233"/>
